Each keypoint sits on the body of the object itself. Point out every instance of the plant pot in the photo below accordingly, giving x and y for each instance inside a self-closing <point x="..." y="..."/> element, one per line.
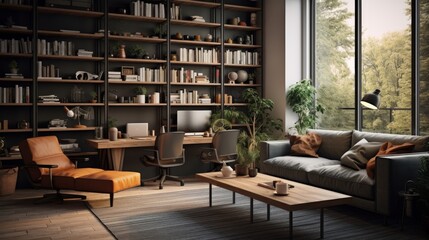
<point x="241" y="170"/>
<point x="93" y="101"/>
<point x="253" y="172"/>
<point x="141" y="98"/>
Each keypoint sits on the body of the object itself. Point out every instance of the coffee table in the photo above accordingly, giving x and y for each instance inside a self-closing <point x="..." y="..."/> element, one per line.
<point x="301" y="197"/>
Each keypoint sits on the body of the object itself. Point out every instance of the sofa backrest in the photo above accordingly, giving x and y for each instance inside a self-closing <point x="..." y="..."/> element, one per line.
<point x="419" y="141"/>
<point x="334" y="143"/>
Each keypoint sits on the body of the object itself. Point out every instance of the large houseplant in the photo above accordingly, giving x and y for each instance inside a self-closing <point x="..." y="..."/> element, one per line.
<point x="259" y="125"/>
<point x="301" y="97"/>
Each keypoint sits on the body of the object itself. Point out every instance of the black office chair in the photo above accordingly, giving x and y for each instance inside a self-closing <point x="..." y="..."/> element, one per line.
<point x="224" y="148"/>
<point x="167" y="153"/>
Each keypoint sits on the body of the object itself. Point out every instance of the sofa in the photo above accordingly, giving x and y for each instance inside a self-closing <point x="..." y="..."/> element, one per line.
<point x="378" y="194"/>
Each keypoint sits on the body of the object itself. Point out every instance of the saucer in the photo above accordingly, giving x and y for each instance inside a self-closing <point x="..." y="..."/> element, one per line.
<point x="280" y="194"/>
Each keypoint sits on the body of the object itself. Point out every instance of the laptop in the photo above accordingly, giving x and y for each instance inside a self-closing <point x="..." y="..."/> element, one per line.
<point x="137" y="130"/>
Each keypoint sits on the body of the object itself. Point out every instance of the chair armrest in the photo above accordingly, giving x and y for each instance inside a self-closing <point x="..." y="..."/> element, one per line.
<point x="270" y="149"/>
<point x="391" y="174"/>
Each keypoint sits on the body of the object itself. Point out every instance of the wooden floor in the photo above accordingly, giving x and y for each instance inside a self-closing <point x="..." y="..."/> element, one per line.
<point x="21" y="219"/>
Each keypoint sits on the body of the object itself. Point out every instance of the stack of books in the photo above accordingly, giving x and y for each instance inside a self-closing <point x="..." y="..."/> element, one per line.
<point x="84" y="53"/>
<point x="49" y="99"/>
<point x="114" y="76"/>
<point x="197" y="19"/>
<point x="13" y="75"/>
<point x="70" y="147"/>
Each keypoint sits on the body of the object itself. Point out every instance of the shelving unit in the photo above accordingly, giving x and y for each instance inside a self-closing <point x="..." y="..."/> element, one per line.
<point x="89" y="32"/>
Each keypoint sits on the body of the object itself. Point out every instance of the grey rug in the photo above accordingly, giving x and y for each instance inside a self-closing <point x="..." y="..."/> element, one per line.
<point x="186" y="215"/>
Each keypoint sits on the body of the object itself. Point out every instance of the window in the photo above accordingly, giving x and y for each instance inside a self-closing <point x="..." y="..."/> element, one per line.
<point x="423" y="59"/>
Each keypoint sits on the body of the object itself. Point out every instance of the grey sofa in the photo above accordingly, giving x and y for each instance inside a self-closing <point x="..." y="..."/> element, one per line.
<point x="379" y="195"/>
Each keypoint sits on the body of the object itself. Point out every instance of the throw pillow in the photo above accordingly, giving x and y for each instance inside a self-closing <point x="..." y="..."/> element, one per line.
<point x="305" y="145"/>
<point x="387" y="148"/>
<point x="357" y="157"/>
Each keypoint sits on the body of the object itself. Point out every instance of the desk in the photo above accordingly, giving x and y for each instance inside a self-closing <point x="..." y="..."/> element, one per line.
<point x="116" y="149"/>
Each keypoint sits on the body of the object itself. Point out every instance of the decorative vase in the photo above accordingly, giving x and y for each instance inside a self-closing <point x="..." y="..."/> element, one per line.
<point x="253" y="172"/>
<point x="226" y="170"/>
<point x="113" y="134"/>
<point x="141" y="98"/>
<point x="242" y="76"/>
<point x="121" y="52"/>
<point x="241" y="170"/>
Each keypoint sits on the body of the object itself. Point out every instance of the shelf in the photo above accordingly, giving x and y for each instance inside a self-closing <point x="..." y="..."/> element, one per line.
<point x="16" y="31"/>
<point x="195" y="84"/>
<point x="69" y="81"/>
<point x="236" y="45"/>
<point x="243" y="28"/>
<point x="16" y="130"/>
<point x="242" y="85"/>
<point x="74" y="58"/>
<point x="17" y="104"/>
<point x="70" y="104"/>
<point x="242" y="66"/>
<point x="136" y="18"/>
<point x="194" y="23"/>
<point x="16" y="79"/>
<point x="16" y="7"/>
<point x="68" y="129"/>
<point x="197" y="3"/>
<point x="191" y="42"/>
<point x="72" y="12"/>
<point x="194" y="63"/>
<point x="241" y="8"/>
<point x="138" y="83"/>
<point x="195" y="105"/>
<point x="136" y="104"/>
<point x="70" y="34"/>
<point x="235" y="104"/>
<point x="137" y="39"/>
<point x="18" y="55"/>
<point x="136" y="60"/>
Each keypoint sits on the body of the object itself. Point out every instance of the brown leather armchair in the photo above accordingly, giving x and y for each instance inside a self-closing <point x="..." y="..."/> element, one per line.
<point x="48" y="167"/>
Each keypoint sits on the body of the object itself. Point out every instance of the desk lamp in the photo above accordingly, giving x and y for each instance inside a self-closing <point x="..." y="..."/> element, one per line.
<point x="78" y="112"/>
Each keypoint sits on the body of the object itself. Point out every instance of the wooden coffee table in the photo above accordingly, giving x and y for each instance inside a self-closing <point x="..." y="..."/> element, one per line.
<point x="301" y="197"/>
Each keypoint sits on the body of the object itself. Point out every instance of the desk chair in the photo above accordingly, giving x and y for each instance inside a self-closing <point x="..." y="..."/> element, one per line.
<point x="168" y="152"/>
<point x="224" y="148"/>
<point x="48" y="167"/>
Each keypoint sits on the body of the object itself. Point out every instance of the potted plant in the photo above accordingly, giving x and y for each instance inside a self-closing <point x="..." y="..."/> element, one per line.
<point x="93" y="95"/>
<point x="422" y="184"/>
<point x="140" y="94"/>
<point x="136" y="51"/>
<point x="301" y="98"/>
<point x="13" y="66"/>
<point x="259" y="127"/>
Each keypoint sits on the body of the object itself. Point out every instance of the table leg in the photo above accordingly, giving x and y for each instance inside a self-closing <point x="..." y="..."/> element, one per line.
<point x="251" y="210"/>
<point x="321" y="224"/>
<point x="268" y="212"/>
<point x="290" y="225"/>
<point x="210" y="194"/>
<point x="233" y="197"/>
<point x="116" y="156"/>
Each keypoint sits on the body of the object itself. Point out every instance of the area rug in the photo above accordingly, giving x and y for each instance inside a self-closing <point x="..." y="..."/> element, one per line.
<point x="186" y="215"/>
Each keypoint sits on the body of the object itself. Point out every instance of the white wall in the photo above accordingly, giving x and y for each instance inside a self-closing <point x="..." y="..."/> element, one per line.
<point x="282" y="53"/>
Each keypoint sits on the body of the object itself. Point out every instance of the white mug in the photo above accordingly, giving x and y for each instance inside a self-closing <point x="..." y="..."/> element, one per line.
<point x="282" y="188"/>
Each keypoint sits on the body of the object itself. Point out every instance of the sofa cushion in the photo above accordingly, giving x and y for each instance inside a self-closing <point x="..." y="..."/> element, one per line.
<point x="343" y="179"/>
<point x="357" y="157"/>
<point x="305" y="145"/>
<point x="334" y="143"/>
<point x="419" y="141"/>
<point x="293" y="167"/>
<point x="387" y="148"/>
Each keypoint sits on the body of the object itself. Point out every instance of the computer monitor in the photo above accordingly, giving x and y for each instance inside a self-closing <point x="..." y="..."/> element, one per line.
<point x="193" y="120"/>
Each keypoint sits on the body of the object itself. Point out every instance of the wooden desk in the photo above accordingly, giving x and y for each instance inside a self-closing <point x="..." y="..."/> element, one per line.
<point x="116" y="149"/>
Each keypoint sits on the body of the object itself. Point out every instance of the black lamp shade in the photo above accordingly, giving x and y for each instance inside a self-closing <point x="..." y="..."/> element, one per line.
<point x="371" y="100"/>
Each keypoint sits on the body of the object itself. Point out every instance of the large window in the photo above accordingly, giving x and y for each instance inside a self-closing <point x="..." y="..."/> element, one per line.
<point x="385" y="63"/>
<point x="423" y="56"/>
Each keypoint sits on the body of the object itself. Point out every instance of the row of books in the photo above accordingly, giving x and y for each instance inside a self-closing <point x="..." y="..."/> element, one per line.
<point x="49" y="71"/>
<point x="59" y="48"/>
<point x="241" y="57"/>
<point x="175" y="11"/>
<point x="143" y="75"/>
<point x="17" y="94"/>
<point x="190" y="76"/>
<point x="16" y="46"/>
<point x="183" y="96"/>
<point x="145" y="9"/>
<point x="199" y="54"/>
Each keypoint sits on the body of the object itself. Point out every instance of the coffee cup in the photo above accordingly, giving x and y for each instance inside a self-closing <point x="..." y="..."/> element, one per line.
<point x="281" y="188"/>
